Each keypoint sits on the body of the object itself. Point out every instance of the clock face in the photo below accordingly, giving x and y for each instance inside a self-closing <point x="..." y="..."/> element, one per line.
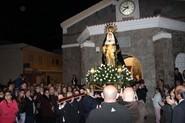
<point x="127" y="7"/>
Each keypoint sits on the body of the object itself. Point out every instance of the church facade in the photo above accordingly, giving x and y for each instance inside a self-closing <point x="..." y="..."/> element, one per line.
<point x="155" y="41"/>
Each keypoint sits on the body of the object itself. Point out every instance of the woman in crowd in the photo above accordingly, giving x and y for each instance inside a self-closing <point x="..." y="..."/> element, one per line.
<point x="157" y="99"/>
<point x="8" y="109"/>
<point x="21" y="105"/>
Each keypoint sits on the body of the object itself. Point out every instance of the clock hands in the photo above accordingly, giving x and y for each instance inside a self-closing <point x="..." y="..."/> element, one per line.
<point x="125" y="7"/>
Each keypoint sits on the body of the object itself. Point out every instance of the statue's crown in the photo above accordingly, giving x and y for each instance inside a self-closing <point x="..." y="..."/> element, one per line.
<point x="110" y="27"/>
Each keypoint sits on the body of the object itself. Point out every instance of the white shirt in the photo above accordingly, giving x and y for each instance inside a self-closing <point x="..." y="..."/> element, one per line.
<point x="157" y="100"/>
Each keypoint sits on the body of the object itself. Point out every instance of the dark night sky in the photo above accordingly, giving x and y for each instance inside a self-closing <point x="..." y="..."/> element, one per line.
<point x="37" y="22"/>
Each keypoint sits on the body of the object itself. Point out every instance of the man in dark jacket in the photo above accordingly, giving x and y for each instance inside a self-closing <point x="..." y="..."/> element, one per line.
<point x="110" y="111"/>
<point x="46" y="110"/>
<point x="137" y="108"/>
<point x="179" y="110"/>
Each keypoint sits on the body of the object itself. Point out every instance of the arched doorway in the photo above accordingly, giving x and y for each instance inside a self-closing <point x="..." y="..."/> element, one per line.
<point x="133" y="64"/>
<point x="180" y="62"/>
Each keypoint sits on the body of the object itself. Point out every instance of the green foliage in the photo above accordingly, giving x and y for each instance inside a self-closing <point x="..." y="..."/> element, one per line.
<point x="109" y="74"/>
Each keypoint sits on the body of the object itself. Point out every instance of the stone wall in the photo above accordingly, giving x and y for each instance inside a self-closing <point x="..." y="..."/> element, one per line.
<point x="71" y="63"/>
<point x="178" y="45"/>
<point x="88" y="60"/>
<point x="167" y="8"/>
<point x="164" y="60"/>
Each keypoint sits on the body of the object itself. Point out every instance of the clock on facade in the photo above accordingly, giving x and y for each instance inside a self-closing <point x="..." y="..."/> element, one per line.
<point x="127" y="7"/>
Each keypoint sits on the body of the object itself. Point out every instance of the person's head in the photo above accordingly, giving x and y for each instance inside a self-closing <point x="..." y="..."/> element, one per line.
<point x="128" y="95"/>
<point x="177" y="82"/>
<point x="157" y="90"/>
<point x="64" y="90"/>
<point x="42" y="84"/>
<point x="60" y="96"/>
<point x="110" y="94"/>
<point x="8" y="96"/>
<point x="24" y="85"/>
<point x="172" y="93"/>
<point x="51" y="90"/>
<point x="46" y="92"/>
<point x="50" y="85"/>
<point x="178" y="91"/>
<point x="69" y="89"/>
<point x="82" y="90"/>
<point x="69" y="94"/>
<point x="76" y="92"/>
<point x="21" y="93"/>
<point x="1" y="94"/>
<point x="37" y="89"/>
<point x="28" y="93"/>
<point x="41" y="90"/>
<point x="160" y="82"/>
<point x="176" y="70"/>
<point x="11" y="86"/>
<point x="59" y="89"/>
<point x="21" y="76"/>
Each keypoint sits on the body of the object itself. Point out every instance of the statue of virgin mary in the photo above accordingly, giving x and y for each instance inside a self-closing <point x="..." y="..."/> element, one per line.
<point x="111" y="51"/>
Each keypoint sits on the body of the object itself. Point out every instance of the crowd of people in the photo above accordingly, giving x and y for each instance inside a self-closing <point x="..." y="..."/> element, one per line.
<point x="23" y="102"/>
<point x="168" y="102"/>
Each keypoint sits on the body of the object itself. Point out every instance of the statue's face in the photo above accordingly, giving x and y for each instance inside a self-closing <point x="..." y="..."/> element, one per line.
<point x="110" y="38"/>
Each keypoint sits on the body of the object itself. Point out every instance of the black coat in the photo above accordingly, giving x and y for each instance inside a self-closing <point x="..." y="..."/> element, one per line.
<point x="110" y="113"/>
<point x="66" y="114"/>
<point x="179" y="113"/>
<point x="138" y="110"/>
<point x="86" y="105"/>
<point x="63" y="114"/>
<point x="166" y="114"/>
<point x="29" y="107"/>
<point x="46" y="109"/>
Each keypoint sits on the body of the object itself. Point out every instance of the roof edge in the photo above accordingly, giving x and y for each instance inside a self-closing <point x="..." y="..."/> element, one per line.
<point x="82" y="15"/>
<point x="135" y="24"/>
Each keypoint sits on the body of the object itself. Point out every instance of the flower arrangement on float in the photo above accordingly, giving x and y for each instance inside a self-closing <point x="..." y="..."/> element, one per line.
<point x="105" y="74"/>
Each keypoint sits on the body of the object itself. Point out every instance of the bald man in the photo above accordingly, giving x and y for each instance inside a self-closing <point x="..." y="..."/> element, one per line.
<point x="137" y="108"/>
<point x="110" y="111"/>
